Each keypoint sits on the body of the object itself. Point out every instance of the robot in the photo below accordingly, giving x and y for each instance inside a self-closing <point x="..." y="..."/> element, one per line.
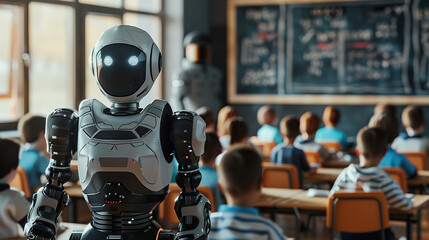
<point x="124" y="152"/>
<point x="197" y="83"/>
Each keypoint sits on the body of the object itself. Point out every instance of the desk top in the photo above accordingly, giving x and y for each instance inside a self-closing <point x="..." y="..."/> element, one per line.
<point x="65" y="235"/>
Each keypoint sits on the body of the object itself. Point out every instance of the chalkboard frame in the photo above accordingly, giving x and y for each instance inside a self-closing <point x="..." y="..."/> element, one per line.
<point x="298" y="99"/>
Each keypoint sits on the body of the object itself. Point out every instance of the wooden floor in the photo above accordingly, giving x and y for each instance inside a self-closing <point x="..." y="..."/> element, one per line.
<point x="320" y="232"/>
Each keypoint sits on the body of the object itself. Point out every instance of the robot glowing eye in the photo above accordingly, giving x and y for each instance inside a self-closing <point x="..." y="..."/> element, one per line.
<point x="133" y="60"/>
<point x="108" y="61"/>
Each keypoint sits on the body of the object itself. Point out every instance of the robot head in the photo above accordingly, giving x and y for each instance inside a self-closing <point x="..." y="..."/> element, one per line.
<point x="125" y="61"/>
<point x="197" y="46"/>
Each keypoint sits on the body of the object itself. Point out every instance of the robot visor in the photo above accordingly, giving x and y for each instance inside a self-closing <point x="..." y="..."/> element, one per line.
<point x="121" y="69"/>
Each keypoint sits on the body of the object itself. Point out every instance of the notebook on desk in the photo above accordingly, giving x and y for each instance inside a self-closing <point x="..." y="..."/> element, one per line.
<point x="312" y="192"/>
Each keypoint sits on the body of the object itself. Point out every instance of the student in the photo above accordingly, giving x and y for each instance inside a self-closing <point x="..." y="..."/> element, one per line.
<point x="240" y="179"/>
<point x="34" y="159"/>
<point x="225" y="114"/>
<point x="308" y="125"/>
<point x="267" y="118"/>
<point x="331" y="117"/>
<point x="392" y="158"/>
<point x="207" y="115"/>
<point x="13" y="205"/>
<point x="212" y="149"/>
<point x="385" y="108"/>
<point x="412" y="140"/>
<point x="286" y="152"/>
<point x="237" y="129"/>
<point x="372" y="145"/>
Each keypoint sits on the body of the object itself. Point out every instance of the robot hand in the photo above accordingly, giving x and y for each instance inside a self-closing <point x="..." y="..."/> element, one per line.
<point x="192" y="209"/>
<point x="44" y="212"/>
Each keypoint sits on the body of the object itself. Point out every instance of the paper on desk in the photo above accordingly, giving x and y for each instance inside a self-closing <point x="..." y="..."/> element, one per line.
<point x="312" y="192"/>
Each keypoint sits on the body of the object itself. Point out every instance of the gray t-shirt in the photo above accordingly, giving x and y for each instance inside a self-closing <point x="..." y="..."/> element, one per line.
<point x="13" y="208"/>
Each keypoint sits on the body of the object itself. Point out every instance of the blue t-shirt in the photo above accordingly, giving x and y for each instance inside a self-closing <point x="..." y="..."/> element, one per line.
<point x="282" y="154"/>
<point x="394" y="159"/>
<point x="331" y="134"/>
<point x="34" y="165"/>
<point x="268" y="133"/>
<point x="209" y="179"/>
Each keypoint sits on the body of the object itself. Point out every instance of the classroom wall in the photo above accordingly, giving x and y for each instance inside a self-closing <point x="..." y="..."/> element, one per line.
<point x="352" y="117"/>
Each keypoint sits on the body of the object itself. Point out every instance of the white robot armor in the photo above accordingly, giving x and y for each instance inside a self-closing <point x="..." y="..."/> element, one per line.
<point x="125" y="153"/>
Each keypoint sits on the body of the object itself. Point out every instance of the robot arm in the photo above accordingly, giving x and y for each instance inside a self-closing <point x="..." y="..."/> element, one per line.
<point x="192" y="208"/>
<point x="49" y="201"/>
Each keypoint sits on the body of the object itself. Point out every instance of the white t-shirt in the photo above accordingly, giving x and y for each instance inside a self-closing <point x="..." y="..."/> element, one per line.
<point x="13" y="208"/>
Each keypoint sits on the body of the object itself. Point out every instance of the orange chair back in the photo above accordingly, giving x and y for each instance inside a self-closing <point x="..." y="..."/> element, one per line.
<point x="332" y="145"/>
<point x="313" y="158"/>
<point x="167" y="216"/>
<point x="418" y="159"/>
<point x="279" y="176"/>
<point x="399" y="175"/>
<point x="263" y="147"/>
<point x="357" y="212"/>
<point x="21" y="182"/>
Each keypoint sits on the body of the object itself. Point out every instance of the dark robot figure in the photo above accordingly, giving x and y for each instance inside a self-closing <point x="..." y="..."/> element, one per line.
<point x="197" y="83"/>
<point x="125" y="153"/>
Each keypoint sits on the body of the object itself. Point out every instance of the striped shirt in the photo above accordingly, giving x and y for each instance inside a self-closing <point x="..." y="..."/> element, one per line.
<point x="234" y="222"/>
<point x="372" y="179"/>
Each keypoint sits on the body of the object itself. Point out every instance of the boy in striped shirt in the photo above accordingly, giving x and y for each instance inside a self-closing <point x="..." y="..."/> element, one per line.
<point x="372" y="145"/>
<point x="240" y="178"/>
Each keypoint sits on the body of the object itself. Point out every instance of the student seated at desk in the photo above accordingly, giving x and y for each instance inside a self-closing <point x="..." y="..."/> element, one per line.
<point x="13" y="205"/>
<point x="412" y="140"/>
<point x="267" y="118"/>
<point x="240" y="179"/>
<point x="34" y="159"/>
<point x="372" y="145"/>
<point x="286" y="152"/>
<point x="224" y="116"/>
<point x="329" y="133"/>
<point x="392" y="158"/>
<point x="308" y="125"/>
<point x="237" y="130"/>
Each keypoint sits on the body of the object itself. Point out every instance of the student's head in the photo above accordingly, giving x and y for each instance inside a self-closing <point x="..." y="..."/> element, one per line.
<point x="289" y="127"/>
<point x="207" y="115"/>
<point x="266" y="115"/>
<point x="385" y="108"/>
<point x="413" y="118"/>
<point x="237" y="130"/>
<point x="309" y="124"/>
<point x="372" y="145"/>
<point x="9" y="151"/>
<point x="223" y="116"/>
<point x="212" y="149"/>
<point x="331" y="116"/>
<point x="32" y="128"/>
<point x="240" y="175"/>
<point x="388" y="124"/>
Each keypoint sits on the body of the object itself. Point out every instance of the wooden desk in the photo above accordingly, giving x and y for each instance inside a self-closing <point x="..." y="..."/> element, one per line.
<point x="298" y="202"/>
<point x="69" y="228"/>
<point x="75" y="193"/>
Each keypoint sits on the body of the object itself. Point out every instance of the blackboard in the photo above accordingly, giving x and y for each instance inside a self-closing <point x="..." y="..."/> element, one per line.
<point x="328" y="52"/>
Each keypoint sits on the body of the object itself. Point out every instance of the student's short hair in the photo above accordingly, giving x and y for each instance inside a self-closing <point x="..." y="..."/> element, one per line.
<point x="225" y="114"/>
<point x="206" y="114"/>
<point x="372" y="142"/>
<point x="241" y="168"/>
<point x="266" y="115"/>
<point x="385" y="108"/>
<point x="413" y="117"/>
<point x="389" y="124"/>
<point x="9" y="151"/>
<point x="212" y="147"/>
<point x="289" y="127"/>
<point x="237" y="130"/>
<point x="30" y="126"/>
<point x="309" y="123"/>
<point x="331" y="115"/>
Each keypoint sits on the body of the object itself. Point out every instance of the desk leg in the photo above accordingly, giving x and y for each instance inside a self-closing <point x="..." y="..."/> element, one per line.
<point x="297" y="223"/>
<point x="419" y="225"/>
<point x="409" y="227"/>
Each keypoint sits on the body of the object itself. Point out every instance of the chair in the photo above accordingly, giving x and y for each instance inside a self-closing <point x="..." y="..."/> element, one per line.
<point x="357" y="212"/>
<point x="21" y="182"/>
<point x="263" y="147"/>
<point x="313" y="158"/>
<point x="418" y="159"/>
<point x="333" y="146"/>
<point x="167" y="215"/>
<point x="279" y="176"/>
<point x="399" y="175"/>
